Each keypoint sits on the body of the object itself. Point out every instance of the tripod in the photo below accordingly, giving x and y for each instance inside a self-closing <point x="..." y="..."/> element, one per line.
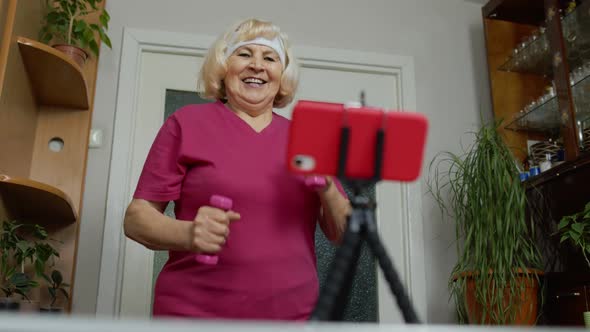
<point x="361" y="226"/>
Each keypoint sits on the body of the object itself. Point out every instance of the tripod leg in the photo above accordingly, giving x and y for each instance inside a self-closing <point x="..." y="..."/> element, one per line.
<point x="397" y="288"/>
<point x="343" y="299"/>
<point x="343" y="263"/>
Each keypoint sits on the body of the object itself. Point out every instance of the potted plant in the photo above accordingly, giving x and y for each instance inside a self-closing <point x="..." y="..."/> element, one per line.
<point x="65" y="23"/>
<point x="55" y="287"/>
<point x="496" y="277"/>
<point x="35" y="249"/>
<point x="15" y="283"/>
<point x="11" y="281"/>
<point x="21" y="244"/>
<point x="575" y="229"/>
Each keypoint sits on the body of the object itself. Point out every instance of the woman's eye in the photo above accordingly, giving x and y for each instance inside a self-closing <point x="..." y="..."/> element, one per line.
<point x="271" y="59"/>
<point x="244" y="55"/>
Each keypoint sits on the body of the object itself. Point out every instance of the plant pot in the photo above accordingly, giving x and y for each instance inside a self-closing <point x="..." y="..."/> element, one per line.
<point x="73" y="52"/>
<point x="587" y="319"/>
<point x="526" y="303"/>
<point x="9" y="304"/>
<point x="52" y="310"/>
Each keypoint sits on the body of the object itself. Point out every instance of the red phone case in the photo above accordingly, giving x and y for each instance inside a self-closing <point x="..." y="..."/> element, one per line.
<point x="315" y="135"/>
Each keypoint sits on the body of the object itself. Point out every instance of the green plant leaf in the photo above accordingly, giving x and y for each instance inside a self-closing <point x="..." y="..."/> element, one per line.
<point x="82" y="42"/>
<point x="94" y="47"/>
<point x="93" y="4"/>
<point x="65" y="293"/>
<point x="575" y="235"/>
<point x="56" y="277"/>
<point x="39" y="267"/>
<point x="10" y="271"/>
<point x="563" y="223"/>
<point x="88" y="36"/>
<point x="19" y="279"/>
<point x="578" y="227"/>
<point x="23" y="246"/>
<point x="80" y="26"/>
<point x="39" y="232"/>
<point x="105" y="39"/>
<point x="22" y="293"/>
<point x="53" y="17"/>
<point x="45" y="37"/>
<point x="104" y="19"/>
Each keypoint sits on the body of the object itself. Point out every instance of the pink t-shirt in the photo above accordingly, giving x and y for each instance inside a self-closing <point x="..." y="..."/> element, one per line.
<point x="267" y="269"/>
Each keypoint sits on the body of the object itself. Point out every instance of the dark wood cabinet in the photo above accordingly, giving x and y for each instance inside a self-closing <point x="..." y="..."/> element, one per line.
<point x="538" y="54"/>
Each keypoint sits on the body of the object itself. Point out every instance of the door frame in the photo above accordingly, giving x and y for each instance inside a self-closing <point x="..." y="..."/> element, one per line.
<point x="137" y="41"/>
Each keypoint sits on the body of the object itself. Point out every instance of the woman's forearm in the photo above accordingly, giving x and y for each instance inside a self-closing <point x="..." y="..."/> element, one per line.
<point x="147" y="225"/>
<point x="335" y="209"/>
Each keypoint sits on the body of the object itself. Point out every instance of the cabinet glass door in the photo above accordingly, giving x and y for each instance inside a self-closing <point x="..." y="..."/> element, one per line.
<point x="576" y="33"/>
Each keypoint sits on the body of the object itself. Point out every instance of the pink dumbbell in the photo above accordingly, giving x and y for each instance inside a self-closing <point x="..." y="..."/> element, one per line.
<point x="220" y="202"/>
<point x="315" y="182"/>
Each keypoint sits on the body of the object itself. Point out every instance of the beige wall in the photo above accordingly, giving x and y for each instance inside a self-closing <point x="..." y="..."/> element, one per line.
<point x="445" y="38"/>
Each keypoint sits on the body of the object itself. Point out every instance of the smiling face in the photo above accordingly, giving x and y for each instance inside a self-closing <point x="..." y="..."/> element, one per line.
<point x="253" y="78"/>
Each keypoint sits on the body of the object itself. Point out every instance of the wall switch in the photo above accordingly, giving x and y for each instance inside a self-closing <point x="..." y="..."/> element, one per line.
<point x="96" y="138"/>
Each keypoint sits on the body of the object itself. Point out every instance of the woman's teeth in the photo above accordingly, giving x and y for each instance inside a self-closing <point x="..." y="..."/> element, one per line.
<point x="254" y="81"/>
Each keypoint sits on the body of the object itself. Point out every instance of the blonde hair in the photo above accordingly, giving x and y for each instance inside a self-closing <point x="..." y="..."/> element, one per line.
<point x="214" y="68"/>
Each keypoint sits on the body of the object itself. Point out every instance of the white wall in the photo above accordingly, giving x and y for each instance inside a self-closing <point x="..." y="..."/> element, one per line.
<point x="445" y="37"/>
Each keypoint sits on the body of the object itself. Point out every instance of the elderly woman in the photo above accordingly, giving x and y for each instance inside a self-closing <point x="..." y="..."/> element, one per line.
<point x="235" y="147"/>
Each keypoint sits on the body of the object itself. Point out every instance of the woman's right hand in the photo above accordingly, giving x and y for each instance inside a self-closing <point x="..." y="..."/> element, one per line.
<point x="210" y="229"/>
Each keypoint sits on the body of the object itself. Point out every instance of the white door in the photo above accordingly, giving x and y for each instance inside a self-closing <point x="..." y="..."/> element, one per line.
<point x="327" y="75"/>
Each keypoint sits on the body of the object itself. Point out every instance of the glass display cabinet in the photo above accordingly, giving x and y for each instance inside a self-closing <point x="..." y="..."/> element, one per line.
<point x="538" y="54"/>
<point x="539" y="64"/>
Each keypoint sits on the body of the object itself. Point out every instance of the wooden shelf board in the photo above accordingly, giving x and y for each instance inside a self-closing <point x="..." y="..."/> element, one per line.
<point x="26" y="199"/>
<point x="581" y="165"/>
<point x="56" y="79"/>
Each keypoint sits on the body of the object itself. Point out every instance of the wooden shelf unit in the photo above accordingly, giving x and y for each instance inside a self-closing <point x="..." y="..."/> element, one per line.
<point x="56" y="79"/>
<point x="44" y="97"/>
<point x="25" y="199"/>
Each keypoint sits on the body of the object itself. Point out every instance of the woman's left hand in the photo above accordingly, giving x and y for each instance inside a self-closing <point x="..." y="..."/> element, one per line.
<point x="335" y="206"/>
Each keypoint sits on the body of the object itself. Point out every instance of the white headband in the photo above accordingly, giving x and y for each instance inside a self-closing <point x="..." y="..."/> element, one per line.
<point x="275" y="44"/>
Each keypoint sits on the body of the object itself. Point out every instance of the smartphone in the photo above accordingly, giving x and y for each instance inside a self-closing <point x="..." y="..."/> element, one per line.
<point x="315" y="135"/>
